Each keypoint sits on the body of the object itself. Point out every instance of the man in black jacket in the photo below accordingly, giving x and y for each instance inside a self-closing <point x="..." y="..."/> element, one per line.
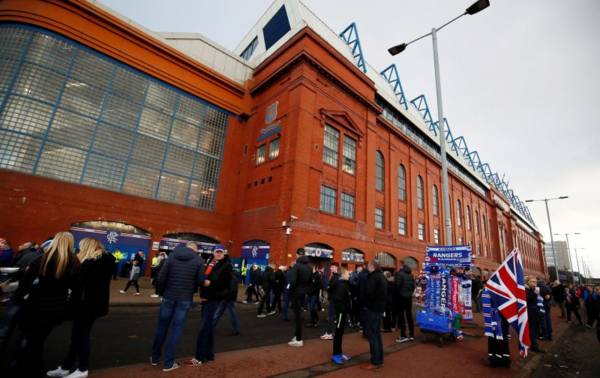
<point x="558" y="294"/>
<point x="299" y="285"/>
<point x="177" y="281"/>
<point x="268" y="280"/>
<point x="215" y="288"/>
<point x="405" y="287"/>
<point x="375" y="298"/>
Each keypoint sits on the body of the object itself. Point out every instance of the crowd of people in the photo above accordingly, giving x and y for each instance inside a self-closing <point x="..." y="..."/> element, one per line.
<point x="59" y="281"/>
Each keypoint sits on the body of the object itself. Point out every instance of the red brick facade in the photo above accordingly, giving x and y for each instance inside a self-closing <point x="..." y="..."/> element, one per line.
<point x="313" y="86"/>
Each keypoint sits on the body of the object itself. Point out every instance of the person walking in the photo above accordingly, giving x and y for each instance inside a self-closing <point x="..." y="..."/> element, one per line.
<point x="228" y="304"/>
<point x="328" y="335"/>
<point x="591" y="306"/>
<point x="177" y="282"/>
<point x="252" y="289"/>
<point x="340" y="298"/>
<point x="46" y="284"/>
<point x="558" y="295"/>
<point x="299" y="285"/>
<point x="268" y="280"/>
<point x="405" y="287"/>
<point x="215" y="289"/>
<point x="91" y="303"/>
<point x="388" y="317"/>
<point x="533" y="311"/>
<point x="572" y="304"/>
<point x="134" y="275"/>
<point x="376" y="293"/>
<point x="278" y="287"/>
<point x="287" y="297"/>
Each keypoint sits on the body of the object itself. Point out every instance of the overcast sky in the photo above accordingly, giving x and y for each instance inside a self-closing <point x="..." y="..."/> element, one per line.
<point x="521" y="83"/>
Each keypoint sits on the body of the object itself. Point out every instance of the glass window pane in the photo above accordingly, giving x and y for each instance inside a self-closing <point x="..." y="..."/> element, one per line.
<point x="51" y="52"/>
<point x="206" y="169"/>
<point x="61" y="162"/>
<point x="155" y="124"/>
<point x="274" y="149"/>
<point x="112" y="141"/>
<point x="401" y="183"/>
<point x="26" y="116"/>
<point x="18" y="151"/>
<point x="328" y="199"/>
<point x="260" y="154"/>
<point x="201" y="195"/>
<point x="149" y="151"/>
<point x="121" y="112"/>
<point x="184" y="134"/>
<point x="331" y="141"/>
<point x="349" y="152"/>
<point x="82" y="98"/>
<point x="379" y="171"/>
<point x="103" y="172"/>
<point x="130" y="85"/>
<point x="173" y="188"/>
<point x="72" y="129"/>
<point x="39" y="83"/>
<point x="12" y="42"/>
<point x="141" y="181"/>
<point x="190" y="111"/>
<point x="179" y="160"/>
<point x="92" y="70"/>
<point x="7" y="70"/>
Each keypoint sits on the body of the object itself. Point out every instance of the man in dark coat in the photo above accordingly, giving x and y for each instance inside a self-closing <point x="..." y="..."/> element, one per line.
<point x="299" y="285"/>
<point x="533" y="311"/>
<point x="268" y="281"/>
<point x="177" y="282"/>
<point x="375" y="298"/>
<point x="558" y="294"/>
<point x="215" y="289"/>
<point x="405" y="287"/>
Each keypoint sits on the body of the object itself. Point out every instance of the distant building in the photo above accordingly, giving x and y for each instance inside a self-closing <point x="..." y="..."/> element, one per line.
<point x="562" y="255"/>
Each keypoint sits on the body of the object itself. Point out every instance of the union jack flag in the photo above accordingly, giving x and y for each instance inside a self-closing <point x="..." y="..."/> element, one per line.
<point x="507" y="291"/>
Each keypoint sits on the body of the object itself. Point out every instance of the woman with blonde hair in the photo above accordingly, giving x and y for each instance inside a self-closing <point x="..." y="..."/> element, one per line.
<point x="44" y="290"/>
<point x="91" y="303"/>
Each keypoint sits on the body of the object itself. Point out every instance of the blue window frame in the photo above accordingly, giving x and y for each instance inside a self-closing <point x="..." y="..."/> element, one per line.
<point x="72" y="114"/>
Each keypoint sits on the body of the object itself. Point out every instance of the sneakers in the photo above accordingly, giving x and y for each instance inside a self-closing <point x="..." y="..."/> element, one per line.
<point x="296" y="343"/>
<point x="137" y="293"/>
<point x="261" y="316"/>
<point x="337" y="359"/>
<point x="153" y="295"/>
<point x="58" y="372"/>
<point x="122" y="292"/>
<point x="327" y="336"/>
<point x="78" y="374"/>
<point x="345" y="357"/>
<point x="245" y="302"/>
<point x="154" y="363"/>
<point x="272" y="313"/>
<point x="193" y="362"/>
<point x="402" y="340"/>
<point x="411" y="339"/>
<point x="173" y="367"/>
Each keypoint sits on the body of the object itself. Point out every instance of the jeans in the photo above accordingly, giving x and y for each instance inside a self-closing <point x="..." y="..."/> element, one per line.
<point x="175" y="311"/>
<point x="330" y="318"/>
<point x="205" y="344"/>
<point x="297" y="302"/>
<point x="405" y="309"/>
<point x="80" y="347"/>
<point x="313" y="305"/>
<point x="286" y="303"/>
<point x="276" y="302"/>
<point x="265" y="300"/>
<point x="372" y="324"/>
<point x="134" y="283"/>
<point x="230" y="307"/>
<point x="340" y="322"/>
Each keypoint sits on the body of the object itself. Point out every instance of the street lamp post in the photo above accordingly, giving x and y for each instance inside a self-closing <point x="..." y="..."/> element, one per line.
<point x="474" y="8"/>
<point x="550" y="226"/>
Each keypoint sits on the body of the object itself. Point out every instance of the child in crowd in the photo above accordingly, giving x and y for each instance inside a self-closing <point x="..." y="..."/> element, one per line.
<point x="134" y="275"/>
<point x="340" y="294"/>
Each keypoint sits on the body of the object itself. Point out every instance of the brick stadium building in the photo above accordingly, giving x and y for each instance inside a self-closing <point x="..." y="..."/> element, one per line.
<point x="291" y="140"/>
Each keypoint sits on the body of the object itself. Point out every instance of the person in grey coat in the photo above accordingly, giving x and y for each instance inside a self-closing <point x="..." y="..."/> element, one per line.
<point x="178" y="280"/>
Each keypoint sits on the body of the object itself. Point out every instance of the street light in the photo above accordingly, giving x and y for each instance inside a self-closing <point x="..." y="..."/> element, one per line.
<point x="550" y="226"/>
<point x="476" y="7"/>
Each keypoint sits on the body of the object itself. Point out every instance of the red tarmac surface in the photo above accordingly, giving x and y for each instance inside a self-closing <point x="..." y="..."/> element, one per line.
<point x="467" y="358"/>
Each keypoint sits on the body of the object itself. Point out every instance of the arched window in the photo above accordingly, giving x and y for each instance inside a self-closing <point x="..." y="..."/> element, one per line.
<point x="436" y="202"/>
<point x="379" y="171"/>
<point x="419" y="192"/>
<point x="468" y="217"/>
<point x="458" y="213"/>
<point x="401" y="183"/>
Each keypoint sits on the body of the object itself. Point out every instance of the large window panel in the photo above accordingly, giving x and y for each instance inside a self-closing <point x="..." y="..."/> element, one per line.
<point x="50" y="52"/>
<point x="161" y="98"/>
<point x="130" y="85"/>
<point x="121" y="112"/>
<point x="82" y="98"/>
<point x="206" y="169"/>
<point x="155" y="124"/>
<point x="149" y="151"/>
<point x="72" y="129"/>
<point x="202" y="194"/>
<point x="12" y="42"/>
<point x="39" y="83"/>
<point x="61" y="162"/>
<point x="103" y="172"/>
<point x="140" y="181"/>
<point x="173" y="188"/>
<point x="25" y="116"/>
<point x="113" y="141"/>
<point x="92" y="70"/>
<point x="190" y="111"/>
<point x="179" y="160"/>
<point x="7" y="71"/>
<point x="331" y="142"/>
<point x="184" y="134"/>
<point x="18" y="151"/>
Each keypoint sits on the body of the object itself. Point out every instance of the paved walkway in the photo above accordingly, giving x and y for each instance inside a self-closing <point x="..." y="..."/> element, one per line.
<point x="465" y="358"/>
